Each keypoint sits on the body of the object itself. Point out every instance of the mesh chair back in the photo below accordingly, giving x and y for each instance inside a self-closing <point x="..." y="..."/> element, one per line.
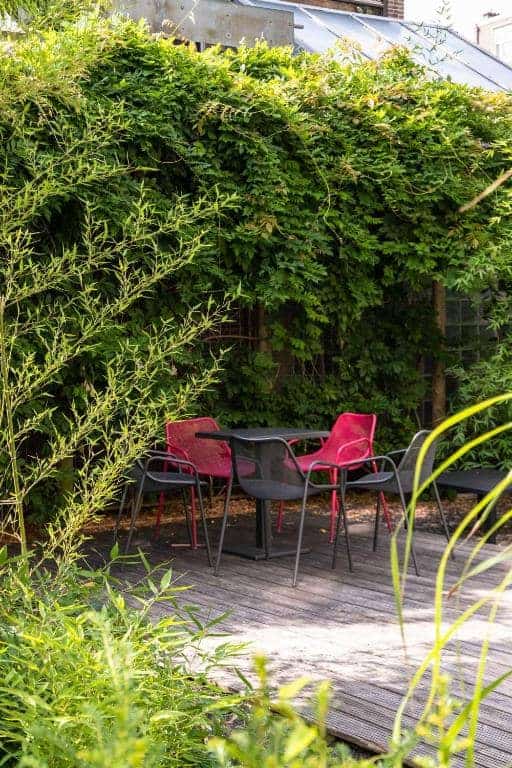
<point x="205" y="454"/>
<point x="347" y="428"/>
<point x="408" y="463"/>
<point x="267" y="469"/>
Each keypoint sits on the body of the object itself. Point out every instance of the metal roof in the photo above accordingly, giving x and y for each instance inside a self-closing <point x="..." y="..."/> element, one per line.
<point x="439" y="48"/>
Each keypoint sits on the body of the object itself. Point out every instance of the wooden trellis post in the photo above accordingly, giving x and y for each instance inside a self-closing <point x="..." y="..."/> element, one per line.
<point x="438" y="374"/>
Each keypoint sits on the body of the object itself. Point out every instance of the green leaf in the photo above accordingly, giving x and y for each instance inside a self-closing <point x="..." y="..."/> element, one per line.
<point x="299" y="740"/>
<point x="166" y="579"/>
<point x="291" y="690"/>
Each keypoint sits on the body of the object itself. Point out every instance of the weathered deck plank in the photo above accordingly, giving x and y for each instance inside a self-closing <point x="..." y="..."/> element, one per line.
<point x="342" y="626"/>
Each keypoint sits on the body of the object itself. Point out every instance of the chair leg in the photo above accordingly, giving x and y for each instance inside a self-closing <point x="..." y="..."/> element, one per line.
<point x="387" y="515"/>
<point x="159" y="513"/>
<point x="335" y="544"/>
<point x="136" y="503"/>
<point x="343" y="513"/>
<point x="223" y="527"/>
<point x="187" y="518"/>
<point x="385" y="508"/>
<point x="376" y="526"/>
<point x="442" y="515"/>
<point x="280" y="516"/>
<point x="205" y="526"/>
<point x="193" y="519"/>
<point x="404" y="507"/>
<point x="265" y="508"/>
<point x="333" y="478"/>
<point x="299" y="539"/>
<point x="120" y="511"/>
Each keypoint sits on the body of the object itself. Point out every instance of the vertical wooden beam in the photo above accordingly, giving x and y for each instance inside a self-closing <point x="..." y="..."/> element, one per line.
<point x="438" y="374"/>
<point x="262" y="331"/>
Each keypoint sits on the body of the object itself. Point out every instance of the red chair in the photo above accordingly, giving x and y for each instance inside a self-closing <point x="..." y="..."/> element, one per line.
<point x="351" y="438"/>
<point x="212" y="458"/>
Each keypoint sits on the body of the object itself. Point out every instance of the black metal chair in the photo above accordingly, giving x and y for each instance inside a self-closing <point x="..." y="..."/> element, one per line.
<point x="397" y="480"/>
<point x="267" y="470"/>
<point x="144" y="479"/>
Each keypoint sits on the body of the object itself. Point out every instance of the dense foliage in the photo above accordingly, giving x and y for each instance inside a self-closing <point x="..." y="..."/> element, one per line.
<point x="323" y="193"/>
<point x="139" y="179"/>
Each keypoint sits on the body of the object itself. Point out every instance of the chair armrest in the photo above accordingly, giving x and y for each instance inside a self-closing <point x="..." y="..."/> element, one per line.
<point x="343" y="468"/>
<point x="370" y="460"/>
<point x="170" y="457"/>
<point x="350" y="443"/>
<point x="398" y="452"/>
<point x="175" y="450"/>
<point x="321" y="463"/>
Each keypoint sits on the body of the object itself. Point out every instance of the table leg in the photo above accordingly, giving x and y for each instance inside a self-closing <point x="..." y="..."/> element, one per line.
<point x="264" y="526"/>
<point x="263" y="549"/>
<point x="267" y="528"/>
<point x="260" y="513"/>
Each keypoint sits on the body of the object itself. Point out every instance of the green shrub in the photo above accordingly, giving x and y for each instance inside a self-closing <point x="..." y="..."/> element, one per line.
<point x="89" y="681"/>
<point x="486" y="379"/>
<point x="325" y="192"/>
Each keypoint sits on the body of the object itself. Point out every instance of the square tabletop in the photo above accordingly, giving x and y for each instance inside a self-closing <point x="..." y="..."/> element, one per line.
<point x="258" y="433"/>
<point x="479" y="480"/>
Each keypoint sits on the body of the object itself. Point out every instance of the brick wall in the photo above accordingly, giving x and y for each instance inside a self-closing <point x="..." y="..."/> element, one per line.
<point x="341" y="6"/>
<point x="363" y="6"/>
<point x="394" y="8"/>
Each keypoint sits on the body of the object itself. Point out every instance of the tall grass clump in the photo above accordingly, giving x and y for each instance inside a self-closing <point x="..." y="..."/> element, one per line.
<point x="450" y="726"/>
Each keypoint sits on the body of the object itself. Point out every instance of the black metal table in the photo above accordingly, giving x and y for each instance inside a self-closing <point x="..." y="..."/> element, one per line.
<point x="262" y="548"/>
<point x="478" y="481"/>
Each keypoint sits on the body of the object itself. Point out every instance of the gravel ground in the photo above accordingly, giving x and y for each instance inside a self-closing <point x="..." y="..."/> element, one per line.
<point x="361" y="508"/>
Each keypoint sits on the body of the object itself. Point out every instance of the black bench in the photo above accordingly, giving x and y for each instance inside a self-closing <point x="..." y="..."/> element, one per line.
<point x="477" y="481"/>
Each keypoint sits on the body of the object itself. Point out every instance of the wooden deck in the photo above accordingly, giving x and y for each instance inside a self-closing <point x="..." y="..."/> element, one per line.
<point x="342" y="626"/>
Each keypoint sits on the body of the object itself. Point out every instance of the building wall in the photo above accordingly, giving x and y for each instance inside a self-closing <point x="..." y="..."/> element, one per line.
<point x="496" y="37"/>
<point x="226" y="22"/>
<point x="394" y="8"/>
<point x="376" y="7"/>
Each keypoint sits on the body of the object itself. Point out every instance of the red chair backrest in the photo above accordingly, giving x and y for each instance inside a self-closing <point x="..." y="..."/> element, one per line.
<point x="182" y="441"/>
<point x="348" y="428"/>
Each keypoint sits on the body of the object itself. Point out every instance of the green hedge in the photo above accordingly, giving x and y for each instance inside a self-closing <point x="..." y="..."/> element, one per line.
<point x="336" y="184"/>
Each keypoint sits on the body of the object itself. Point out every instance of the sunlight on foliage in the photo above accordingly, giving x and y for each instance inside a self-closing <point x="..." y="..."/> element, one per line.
<point x="277" y="736"/>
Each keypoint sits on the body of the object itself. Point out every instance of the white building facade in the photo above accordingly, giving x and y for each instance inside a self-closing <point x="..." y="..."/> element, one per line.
<point x="496" y="37"/>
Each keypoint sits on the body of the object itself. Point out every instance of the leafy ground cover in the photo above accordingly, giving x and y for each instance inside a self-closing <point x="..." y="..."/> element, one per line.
<point x="88" y="680"/>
